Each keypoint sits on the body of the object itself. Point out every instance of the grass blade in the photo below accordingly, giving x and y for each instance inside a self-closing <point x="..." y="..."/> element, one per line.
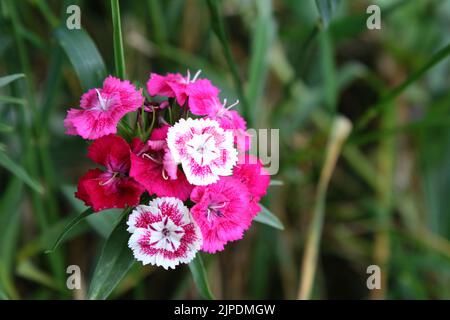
<point x="219" y="30"/>
<point x="84" y="56"/>
<point x="200" y="278"/>
<point x="8" y="79"/>
<point x="115" y="261"/>
<point x="69" y="227"/>
<point x="326" y="10"/>
<point x="262" y="39"/>
<point x="119" y="56"/>
<point x="383" y="103"/>
<point x="268" y="218"/>
<point x="19" y="172"/>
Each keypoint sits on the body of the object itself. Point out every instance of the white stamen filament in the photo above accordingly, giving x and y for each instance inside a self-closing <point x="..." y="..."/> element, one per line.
<point x="145" y="155"/>
<point x="109" y="180"/>
<point x="102" y="101"/>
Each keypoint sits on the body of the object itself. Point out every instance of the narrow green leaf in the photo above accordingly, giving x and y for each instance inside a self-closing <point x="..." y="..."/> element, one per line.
<point x="9" y="232"/>
<point x="329" y="82"/>
<point x="69" y="227"/>
<point x="384" y="102"/>
<point x="263" y="35"/>
<point x="119" y="56"/>
<point x="276" y="183"/>
<point x="19" y="172"/>
<point x="12" y="100"/>
<point x="268" y="218"/>
<point x="84" y="56"/>
<point x="103" y="222"/>
<point x="115" y="261"/>
<point x="200" y="278"/>
<point x="8" y="79"/>
<point x="219" y="30"/>
<point x="326" y="9"/>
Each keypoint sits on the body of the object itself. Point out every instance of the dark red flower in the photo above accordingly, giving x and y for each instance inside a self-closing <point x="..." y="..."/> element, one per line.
<point x="113" y="187"/>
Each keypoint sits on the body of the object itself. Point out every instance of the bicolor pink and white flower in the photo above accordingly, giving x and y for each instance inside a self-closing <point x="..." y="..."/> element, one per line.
<point x="102" y="108"/>
<point x="203" y="148"/>
<point x="163" y="233"/>
<point x="222" y="211"/>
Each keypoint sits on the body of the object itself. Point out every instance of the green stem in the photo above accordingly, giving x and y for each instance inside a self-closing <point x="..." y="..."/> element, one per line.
<point x="119" y="56"/>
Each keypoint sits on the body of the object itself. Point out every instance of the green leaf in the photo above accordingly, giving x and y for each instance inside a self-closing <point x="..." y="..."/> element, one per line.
<point x="268" y="218"/>
<point x="115" y="261"/>
<point x="326" y="9"/>
<point x="103" y="222"/>
<point x="219" y="30"/>
<point x="8" y="79"/>
<point x="200" y="278"/>
<point x="9" y="232"/>
<point x="84" y="56"/>
<point x="263" y="36"/>
<point x="329" y="82"/>
<point x="19" y="172"/>
<point x="119" y="56"/>
<point x="384" y="102"/>
<point x="12" y="100"/>
<point x="69" y="227"/>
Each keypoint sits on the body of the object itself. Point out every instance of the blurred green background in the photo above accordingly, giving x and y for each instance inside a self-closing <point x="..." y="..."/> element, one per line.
<point x="295" y="65"/>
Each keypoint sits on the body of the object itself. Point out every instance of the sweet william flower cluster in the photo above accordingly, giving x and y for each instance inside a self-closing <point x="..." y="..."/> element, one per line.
<point x="182" y="166"/>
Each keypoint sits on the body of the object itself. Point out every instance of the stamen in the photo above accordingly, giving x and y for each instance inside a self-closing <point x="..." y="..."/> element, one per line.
<point x="231" y="106"/>
<point x="196" y="75"/>
<point x="109" y="180"/>
<point x="188" y="76"/>
<point x="101" y="100"/>
<point x="164" y="175"/>
<point x="145" y="155"/>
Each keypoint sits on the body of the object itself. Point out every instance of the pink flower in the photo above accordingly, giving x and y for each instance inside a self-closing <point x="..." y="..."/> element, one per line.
<point x="204" y="149"/>
<point x="202" y="95"/>
<point x="231" y="120"/>
<point x="163" y="233"/>
<point x="153" y="167"/>
<point x="222" y="212"/>
<point x="112" y="188"/>
<point x="251" y="173"/>
<point x="101" y="109"/>
<point x="174" y="85"/>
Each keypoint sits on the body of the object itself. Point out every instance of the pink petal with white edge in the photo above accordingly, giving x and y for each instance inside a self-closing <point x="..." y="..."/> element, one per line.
<point x="164" y="233"/>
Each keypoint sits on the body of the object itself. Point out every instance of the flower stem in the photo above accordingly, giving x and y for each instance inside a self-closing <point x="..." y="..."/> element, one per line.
<point x="119" y="56"/>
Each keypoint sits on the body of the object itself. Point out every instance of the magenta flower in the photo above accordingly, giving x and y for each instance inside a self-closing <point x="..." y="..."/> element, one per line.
<point x="174" y="85"/>
<point x="101" y="109"/>
<point x="163" y="233"/>
<point x="153" y="166"/>
<point x="112" y="188"/>
<point x="231" y="120"/>
<point x="222" y="212"/>
<point x="251" y="173"/>
<point x="204" y="149"/>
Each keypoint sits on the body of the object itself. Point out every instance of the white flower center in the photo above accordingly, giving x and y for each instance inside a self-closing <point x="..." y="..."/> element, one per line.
<point x="103" y="103"/>
<point x="165" y="235"/>
<point x="202" y="149"/>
